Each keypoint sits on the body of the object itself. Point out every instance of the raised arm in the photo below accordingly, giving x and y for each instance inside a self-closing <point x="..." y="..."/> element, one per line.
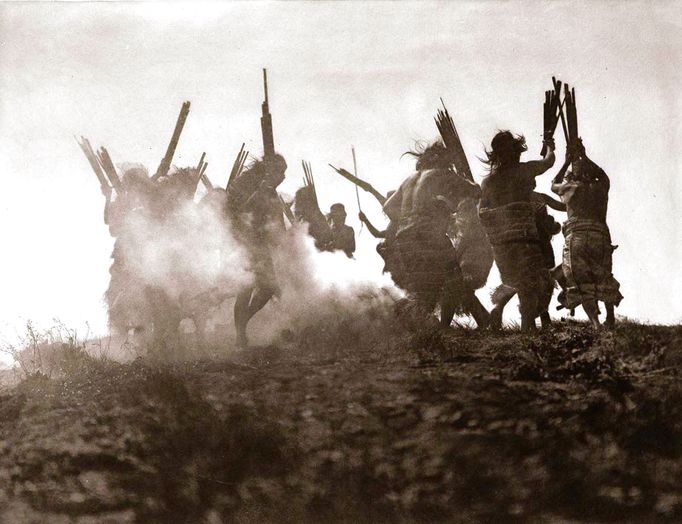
<point x="558" y="180"/>
<point x="373" y="230"/>
<point x="538" y="167"/>
<point x="550" y="202"/>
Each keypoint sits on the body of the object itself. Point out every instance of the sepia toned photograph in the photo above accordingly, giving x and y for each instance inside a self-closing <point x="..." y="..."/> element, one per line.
<point x="341" y="261"/>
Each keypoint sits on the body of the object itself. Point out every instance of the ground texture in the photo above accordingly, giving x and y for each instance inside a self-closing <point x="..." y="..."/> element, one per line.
<point x="361" y="421"/>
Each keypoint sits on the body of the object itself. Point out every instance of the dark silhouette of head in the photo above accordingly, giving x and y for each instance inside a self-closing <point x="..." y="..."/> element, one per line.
<point x="337" y="214"/>
<point x="136" y="179"/>
<point x="305" y="204"/>
<point x="431" y="156"/>
<point x="505" y="150"/>
<point x="272" y="168"/>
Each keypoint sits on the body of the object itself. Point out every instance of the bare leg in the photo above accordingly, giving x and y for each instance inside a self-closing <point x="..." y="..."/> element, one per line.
<point x="610" y="316"/>
<point x="448" y="303"/>
<point x="592" y="310"/>
<point x="528" y="305"/>
<point x="500" y="302"/>
<point x="447" y="311"/>
<point x="474" y="306"/>
<point x="241" y="315"/>
<point x="248" y="303"/>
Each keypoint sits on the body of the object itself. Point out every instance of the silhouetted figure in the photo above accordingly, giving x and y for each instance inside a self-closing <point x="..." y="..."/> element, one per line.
<point x="587" y="258"/>
<point x="421" y="207"/>
<point x="547" y="227"/>
<point x="258" y="221"/>
<point x="474" y="257"/>
<point x="343" y="236"/>
<point x="127" y="305"/>
<point x="508" y="217"/>
<point x="306" y="209"/>
<point x="385" y="247"/>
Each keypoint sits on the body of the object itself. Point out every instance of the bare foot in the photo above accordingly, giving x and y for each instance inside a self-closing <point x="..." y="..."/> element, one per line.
<point x="496" y="319"/>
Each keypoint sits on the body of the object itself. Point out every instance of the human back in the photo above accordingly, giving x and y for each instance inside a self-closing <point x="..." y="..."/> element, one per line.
<point x="511" y="180"/>
<point x="506" y="185"/>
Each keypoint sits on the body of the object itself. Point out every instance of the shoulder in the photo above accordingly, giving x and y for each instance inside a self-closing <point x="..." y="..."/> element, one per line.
<point x="433" y="173"/>
<point x="529" y="169"/>
<point x="411" y="180"/>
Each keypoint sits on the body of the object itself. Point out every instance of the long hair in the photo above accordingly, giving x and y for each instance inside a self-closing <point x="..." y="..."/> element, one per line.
<point x="505" y="150"/>
<point x="258" y="165"/>
<point x="431" y="156"/>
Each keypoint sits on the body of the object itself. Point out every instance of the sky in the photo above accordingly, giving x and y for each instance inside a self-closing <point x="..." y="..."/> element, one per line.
<point x="367" y="74"/>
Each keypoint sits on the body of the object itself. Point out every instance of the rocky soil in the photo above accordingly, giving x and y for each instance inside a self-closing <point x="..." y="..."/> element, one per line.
<point x="356" y="422"/>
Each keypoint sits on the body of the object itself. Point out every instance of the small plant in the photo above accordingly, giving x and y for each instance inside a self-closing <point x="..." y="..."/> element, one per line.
<point x="49" y="352"/>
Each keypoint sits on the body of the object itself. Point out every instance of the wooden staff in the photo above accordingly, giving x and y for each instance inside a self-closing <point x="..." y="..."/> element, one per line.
<point x="357" y="193"/>
<point x="553" y="112"/>
<point x="94" y="164"/>
<point x="365" y="186"/>
<point x="355" y="172"/>
<point x="165" y="164"/>
<point x="108" y="167"/>
<point x="266" y="121"/>
<point x="557" y="89"/>
<point x="237" y="165"/>
<point x="286" y="210"/>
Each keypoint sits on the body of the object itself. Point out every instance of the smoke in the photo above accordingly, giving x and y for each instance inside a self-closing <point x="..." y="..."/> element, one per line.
<point x="188" y="253"/>
<point x="317" y="288"/>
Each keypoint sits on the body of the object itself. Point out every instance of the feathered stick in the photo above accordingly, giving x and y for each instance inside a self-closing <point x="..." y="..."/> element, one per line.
<point x="453" y="144"/>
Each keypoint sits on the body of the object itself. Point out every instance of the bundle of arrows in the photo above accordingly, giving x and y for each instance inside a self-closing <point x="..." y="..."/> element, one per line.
<point x="448" y="132"/>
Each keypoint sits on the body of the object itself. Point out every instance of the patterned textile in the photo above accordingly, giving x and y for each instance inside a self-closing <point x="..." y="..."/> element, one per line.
<point x="587" y="263"/>
<point x="513" y="234"/>
<point x="424" y="258"/>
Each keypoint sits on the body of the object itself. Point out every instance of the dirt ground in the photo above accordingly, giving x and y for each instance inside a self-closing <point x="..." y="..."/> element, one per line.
<point x="357" y="422"/>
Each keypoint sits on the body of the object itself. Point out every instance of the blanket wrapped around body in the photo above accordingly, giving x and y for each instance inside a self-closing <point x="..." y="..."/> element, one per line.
<point x="473" y="251"/>
<point x="423" y="256"/>
<point x="587" y="263"/>
<point x="513" y="234"/>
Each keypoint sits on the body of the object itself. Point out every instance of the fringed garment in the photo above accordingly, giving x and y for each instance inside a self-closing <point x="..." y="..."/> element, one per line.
<point x="587" y="264"/>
